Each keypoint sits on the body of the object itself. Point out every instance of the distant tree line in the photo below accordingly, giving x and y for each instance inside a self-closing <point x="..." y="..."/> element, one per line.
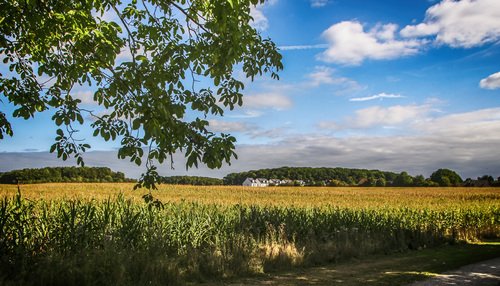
<point x="339" y="177"/>
<point x="335" y="177"/>
<point x="191" y="180"/>
<point x="63" y="174"/>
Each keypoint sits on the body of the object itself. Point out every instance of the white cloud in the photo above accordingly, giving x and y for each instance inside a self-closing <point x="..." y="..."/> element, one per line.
<point x="465" y="142"/>
<point x="303" y="47"/>
<point x="466" y="23"/>
<point x="260" y="21"/>
<point x="349" y="44"/>
<point x="321" y="75"/>
<point x="86" y="96"/>
<point x="227" y="126"/>
<point x="376" y="116"/>
<point x="473" y="125"/>
<point x="247" y="114"/>
<point x="384" y="32"/>
<point x="325" y="75"/>
<point x="318" y="3"/>
<point x="376" y="96"/>
<point x="491" y="82"/>
<point x="267" y="100"/>
<point x="328" y="125"/>
<point x="273" y="133"/>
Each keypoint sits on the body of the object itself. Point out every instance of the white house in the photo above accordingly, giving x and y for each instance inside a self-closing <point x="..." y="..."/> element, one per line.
<point x="260" y="182"/>
<point x="251" y="182"/>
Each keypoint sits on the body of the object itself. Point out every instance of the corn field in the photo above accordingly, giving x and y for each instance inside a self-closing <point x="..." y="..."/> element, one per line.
<point x="122" y="241"/>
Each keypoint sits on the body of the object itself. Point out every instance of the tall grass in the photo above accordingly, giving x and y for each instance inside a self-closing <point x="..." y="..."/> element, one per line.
<point x="117" y="241"/>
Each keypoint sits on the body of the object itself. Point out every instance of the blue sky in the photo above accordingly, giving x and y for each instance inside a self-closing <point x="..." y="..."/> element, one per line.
<point x="393" y="85"/>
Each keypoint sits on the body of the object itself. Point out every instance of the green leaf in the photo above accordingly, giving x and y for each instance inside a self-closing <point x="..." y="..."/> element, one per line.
<point x="79" y="117"/>
<point x="136" y="123"/>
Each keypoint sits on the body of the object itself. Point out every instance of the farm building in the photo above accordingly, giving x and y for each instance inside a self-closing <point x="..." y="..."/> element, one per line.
<point x="260" y="182"/>
<point x="251" y="182"/>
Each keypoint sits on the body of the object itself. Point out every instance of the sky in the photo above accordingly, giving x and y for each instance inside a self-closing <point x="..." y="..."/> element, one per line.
<point x="391" y="85"/>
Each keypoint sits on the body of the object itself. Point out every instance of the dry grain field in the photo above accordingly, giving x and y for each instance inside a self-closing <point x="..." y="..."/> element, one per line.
<point x="88" y="234"/>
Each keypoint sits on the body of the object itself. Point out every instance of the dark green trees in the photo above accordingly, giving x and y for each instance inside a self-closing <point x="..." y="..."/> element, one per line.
<point x="403" y="180"/>
<point x="191" y="180"/>
<point x="63" y="174"/>
<point x="446" y="178"/>
<point x="317" y="176"/>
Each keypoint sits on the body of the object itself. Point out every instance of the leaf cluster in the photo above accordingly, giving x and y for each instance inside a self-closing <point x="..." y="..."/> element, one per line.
<point x="144" y="66"/>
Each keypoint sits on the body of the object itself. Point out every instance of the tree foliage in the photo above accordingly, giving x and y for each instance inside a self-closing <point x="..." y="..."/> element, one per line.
<point x="192" y="180"/>
<point x="340" y="177"/>
<point x="316" y="176"/>
<point x="446" y="178"/>
<point x="63" y="174"/>
<point x="144" y="67"/>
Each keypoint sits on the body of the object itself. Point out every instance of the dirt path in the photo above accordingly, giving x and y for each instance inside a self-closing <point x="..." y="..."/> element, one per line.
<point x="396" y="269"/>
<point x="484" y="273"/>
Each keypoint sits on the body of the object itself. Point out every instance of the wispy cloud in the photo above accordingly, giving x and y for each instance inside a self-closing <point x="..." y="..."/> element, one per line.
<point x="228" y="126"/>
<point x="319" y="3"/>
<point x="389" y="116"/>
<point x="376" y="96"/>
<point x="247" y="114"/>
<point x="491" y="82"/>
<point x="383" y="117"/>
<point x="303" y="47"/>
<point x="275" y="101"/>
<point x="325" y="75"/>
<point x="328" y="125"/>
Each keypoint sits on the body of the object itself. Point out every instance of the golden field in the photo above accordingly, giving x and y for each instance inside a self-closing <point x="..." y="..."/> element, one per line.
<point x="344" y="197"/>
<point x="65" y="233"/>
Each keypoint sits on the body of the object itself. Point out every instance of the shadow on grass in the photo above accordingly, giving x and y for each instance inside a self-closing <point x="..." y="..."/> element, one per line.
<point x="393" y="269"/>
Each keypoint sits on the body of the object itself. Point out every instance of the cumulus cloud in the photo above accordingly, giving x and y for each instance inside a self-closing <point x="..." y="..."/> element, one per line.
<point x="491" y="82"/>
<point x="376" y="96"/>
<point x="466" y="23"/>
<point x="260" y="21"/>
<point x="350" y="44"/>
<point x="275" y="101"/>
